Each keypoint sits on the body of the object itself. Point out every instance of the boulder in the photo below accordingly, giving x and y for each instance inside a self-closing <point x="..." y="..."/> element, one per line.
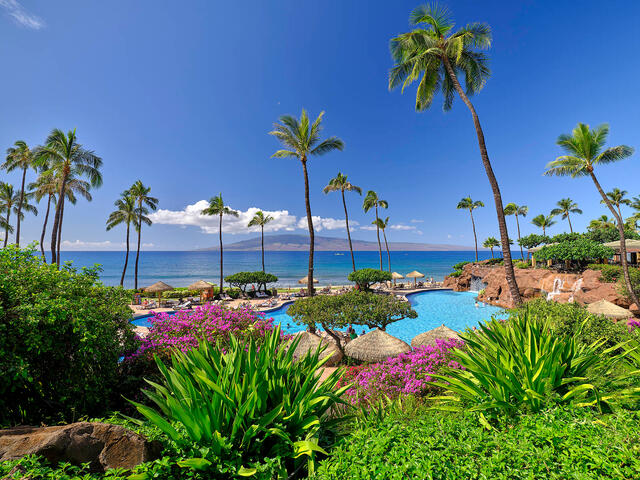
<point x="101" y="445"/>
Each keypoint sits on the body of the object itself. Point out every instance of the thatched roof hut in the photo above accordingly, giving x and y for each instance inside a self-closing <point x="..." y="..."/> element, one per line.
<point x="305" y="280"/>
<point x="608" y="309"/>
<point x="200" y="285"/>
<point x="430" y="337"/>
<point x="158" y="287"/>
<point x="375" y="346"/>
<point x="311" y="341"/>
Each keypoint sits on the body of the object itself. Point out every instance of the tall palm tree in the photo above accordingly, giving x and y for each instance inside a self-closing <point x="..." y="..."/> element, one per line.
<point x="517" y="211"/>
<point x="144" y="203"/>
<point x="126" y="213"/>
<point x="301" y="140"/>
<point x="436" y="55"/>
<point x="382" y="225"/>
<point x="371" y="200"/>
<point x="217" y="207"/>
<point x="565" y="207"/>
<point x="260" y="220"/>
<point x="491" y="242"/>
<point x="341" y="184"/>
<point x="585" y="150"/>
<point x="67" y="158"/>
<point x="468" y="204"/>
<point x="10" y="203"/>
<point x="543" y="222"/>
<point x="617" y="198"/>
<point x="19" y="157"/>
<point x="601" y="223"/>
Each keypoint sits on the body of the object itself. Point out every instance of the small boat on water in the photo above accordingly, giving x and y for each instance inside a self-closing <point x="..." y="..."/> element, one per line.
<point x="338" y="253"/>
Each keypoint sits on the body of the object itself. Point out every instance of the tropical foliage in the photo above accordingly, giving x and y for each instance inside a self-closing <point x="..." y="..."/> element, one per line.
<point x="517" y="211"/>
<point x="242" y="279"/>
<point x="581" y="250"/>
<point x="365" y="277"/>
<point x="543" y="222"/>
<point x="372" y="201"/>
<point x="144" y="204"/>
<point x="260" y="220"/>
<point x="19" y="157"/>
<point x="218" y="208"/>
<point x="341" y="184"/>
<point x="565" y="208"/>
<point x="491" y="242"/>
<point x="468" y="204"/>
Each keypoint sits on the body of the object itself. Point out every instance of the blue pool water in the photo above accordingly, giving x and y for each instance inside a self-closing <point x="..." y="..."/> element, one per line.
<point x="456" y="310"/>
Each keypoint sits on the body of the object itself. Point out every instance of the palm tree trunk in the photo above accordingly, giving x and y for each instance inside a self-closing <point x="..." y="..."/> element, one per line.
<point x="6" y="230"/>
<point x="126" y="257"/>
<point x="220" y="237"/>
<point x="60" y="233"/>
<point x="44" y="228"/>
<point x="518" y="225"/>
<point x="623" y="243"/>
<point x="346" y="219"/>
<point x="387" y="247"/>
<point x="262" y="236"/>
<point x="502" y="224"/>
<point x="310" y="225"/>
<point x="24" y="174"/>
<point x="378" y="233"/>
<point x="475" y="238"/>
<point x="491" y="252"/>
<point x="544" y="231"/>
<point x="56" y="218"/>
<point x="135" y="275"/>
<point x="569" y="220"/>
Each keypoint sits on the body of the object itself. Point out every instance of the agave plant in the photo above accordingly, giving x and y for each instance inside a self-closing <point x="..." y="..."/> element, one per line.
<point x="257" y="401"/>
<point x="520" y="364"/>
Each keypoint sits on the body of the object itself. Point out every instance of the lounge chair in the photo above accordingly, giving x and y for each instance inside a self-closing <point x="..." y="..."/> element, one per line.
<point x="182" y="306"/>
<point x="261" y="295"/>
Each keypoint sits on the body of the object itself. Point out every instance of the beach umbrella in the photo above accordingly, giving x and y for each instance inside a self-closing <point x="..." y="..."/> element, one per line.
<point x="415" y="274"/>
<point x="396" y="276"/>
<point x="375" y="346"/>
<point x="304" y="280"/>
<point x="608" y="309"/>
<point x="430" y="337"/>
<point x="201" y="286"/>
<point x="309" y="342"/>
<point x="158" y="288"/>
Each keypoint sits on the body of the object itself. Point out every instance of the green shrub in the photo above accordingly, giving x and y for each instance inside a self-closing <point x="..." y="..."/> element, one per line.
<point x="460" y="265"/>
<point x="559" y="444"/>
<point x="61" y="334"/>
<point x="580" y="250"/>
<point x="232" y="409"/>
<point x="494" y="261"/>
<point x="609" y="273"/>
<point x="368" y="276"/>
<point x="523" y="265"/>
<point x="533" y="240"/>
<point x="455" y="274"/>
<point x="180" y="293"/>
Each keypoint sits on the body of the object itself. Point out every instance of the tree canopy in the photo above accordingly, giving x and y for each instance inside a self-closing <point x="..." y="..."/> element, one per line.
<point x="368" y="276"/>
<point x="576" y="250"/>
<point x="242" y="279"/>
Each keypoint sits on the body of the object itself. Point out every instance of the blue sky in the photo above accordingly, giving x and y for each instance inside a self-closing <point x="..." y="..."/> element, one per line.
<point x="182" y="95"/>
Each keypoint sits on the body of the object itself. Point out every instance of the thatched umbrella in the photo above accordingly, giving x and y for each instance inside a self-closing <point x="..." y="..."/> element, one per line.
<point x="201" y="286"/>
<point x="430" y="337"/>
<point x="309" y="343"/>
<point x="396" y="276"/>
<point x="608" y="309"/>
<point x="304" y="280"/>
<point x="375" y="346"/>
<point x="415" y="275"/>
<point x="158" y="288"/>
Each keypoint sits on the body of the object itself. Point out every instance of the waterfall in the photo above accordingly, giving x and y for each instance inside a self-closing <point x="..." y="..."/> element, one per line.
<point x="476" y="284"/>
<point x="557" y="285"/>
<point x="576" y="287"/>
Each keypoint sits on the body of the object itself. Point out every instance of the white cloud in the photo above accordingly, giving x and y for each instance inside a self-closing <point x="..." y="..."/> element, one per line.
<point x="369" y="227"/>
<point x="402" y="227"/>
<point x="448" y="235"/>
<point x="415" y="220"/>
<point x="20" y="15"/>
<point x="328" y="223"/>
<point x="105" y="245"/>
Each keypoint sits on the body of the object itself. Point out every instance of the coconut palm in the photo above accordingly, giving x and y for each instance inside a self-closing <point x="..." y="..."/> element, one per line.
<point x="382" y="225"/>
<point x="302" y="140"/>
<point x="371" y="200"/>
<point x="585" y="150"/>
<point x="566" y="206"/>
<point x="217" y="207"/>
<point x="67" y="158"/>
<point x="19" y="157"/>
<point x="126" y="213"/>
<point x="468" y="204"/>
<point x="491" y="242"/>
<point x="543" y="222"/>
<point x="617" y="198"/>
<point x="341" y="184"/>
<point x="436" y="55"/>
<point x="144" y="203"/>
<point x="517" y="211"/>
<point x="601" y="223"/>
<point x="10" y="203"/>
<point x="260" y="220"/>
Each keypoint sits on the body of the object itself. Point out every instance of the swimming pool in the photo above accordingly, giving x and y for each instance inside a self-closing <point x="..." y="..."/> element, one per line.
<point x="456" y="310"/>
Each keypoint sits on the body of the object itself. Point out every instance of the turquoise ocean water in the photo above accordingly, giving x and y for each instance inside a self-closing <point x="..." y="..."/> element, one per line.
<point x="180" y="269"/>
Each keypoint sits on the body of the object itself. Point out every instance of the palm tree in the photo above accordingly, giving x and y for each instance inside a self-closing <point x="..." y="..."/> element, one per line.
<point x="382" y="225"/>
<point x="436" y="55"/>
<point x="340" y="184"/>
<point x="19" y="157"/>
<point x="517" y="211"/>
<point x="302" y="140"/>
<point x="616" y="197"/>
<point x="144" y="202"/>
<point x="260" y="220"/>
<point x="10" y="203"/>
<point x="491" y="242"/>
<point x="371" y="200"/>
<point x="565" y="207"/>
<point x="585" y="150"/>
<point x="67" y="158"/>
<point x="217" y="207"/>
<point x="601" y="223"/>
<point x="126" y="213"/>
<point x="468" y="204"/>
<point x="543" y="222"/>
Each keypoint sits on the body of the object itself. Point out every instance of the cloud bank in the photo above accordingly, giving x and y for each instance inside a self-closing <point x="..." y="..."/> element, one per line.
<point x="105" y="245"/>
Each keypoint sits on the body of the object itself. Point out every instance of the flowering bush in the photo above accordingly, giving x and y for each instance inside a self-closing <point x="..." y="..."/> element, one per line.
<point x="633" y="323"/>
<point x="407" y="374"/>
<point x="214" y="322"/>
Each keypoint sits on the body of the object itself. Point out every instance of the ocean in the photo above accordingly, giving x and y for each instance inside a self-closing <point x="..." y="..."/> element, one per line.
<point x="179" y="269"/>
